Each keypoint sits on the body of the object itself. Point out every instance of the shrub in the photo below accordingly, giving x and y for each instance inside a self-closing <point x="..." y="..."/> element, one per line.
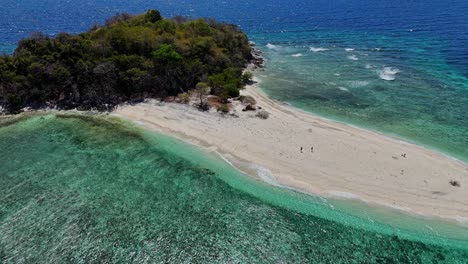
<point x="153" y="16"/>
<point x="166" y="54"/>
<point x="224" y="108"/>
<point x="203" y="91"/>
<point x="247" y="77"/>
<point x="263" y="114"/>
<point x="227" y="83"/>
<point x="184" y="98"/>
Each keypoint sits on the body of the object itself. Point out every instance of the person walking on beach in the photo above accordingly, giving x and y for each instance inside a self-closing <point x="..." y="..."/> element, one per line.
<point x="312" y="149"/>
<point x="301" y="150"/>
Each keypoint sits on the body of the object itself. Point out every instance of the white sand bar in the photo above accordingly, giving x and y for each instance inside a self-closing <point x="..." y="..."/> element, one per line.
<point x="347" y="162"/>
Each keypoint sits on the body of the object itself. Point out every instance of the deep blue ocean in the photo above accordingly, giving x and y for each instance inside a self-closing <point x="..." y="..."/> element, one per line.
<point x="399" y="67"/>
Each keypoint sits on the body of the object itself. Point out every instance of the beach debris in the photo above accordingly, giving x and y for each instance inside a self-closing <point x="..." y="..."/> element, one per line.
<point x="263" y="114"/>
<point x="403" y="155"/>
<point x="455" y="183"/>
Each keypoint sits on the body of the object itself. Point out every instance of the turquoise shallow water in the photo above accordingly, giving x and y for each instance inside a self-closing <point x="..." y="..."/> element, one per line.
<point x="95" y="189"/>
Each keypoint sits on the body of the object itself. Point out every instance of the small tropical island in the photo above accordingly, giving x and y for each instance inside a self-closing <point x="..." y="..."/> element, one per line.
<point x="87" y="187"/>
<point x="129" y="58"/>
<point x="147" y="69"/>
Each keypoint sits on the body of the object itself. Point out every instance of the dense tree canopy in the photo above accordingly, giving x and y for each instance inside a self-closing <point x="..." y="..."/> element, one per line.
<point x="130" y="57"/>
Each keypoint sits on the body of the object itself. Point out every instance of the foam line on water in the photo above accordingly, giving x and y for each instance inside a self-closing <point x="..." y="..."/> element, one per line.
<point x="313" y="49"/>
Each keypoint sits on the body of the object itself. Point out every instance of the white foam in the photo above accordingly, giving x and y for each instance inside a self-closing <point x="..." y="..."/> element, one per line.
<point x="297" y="55"/>
<point x="345" y="195"/>
<point x="349" y="49"/>
<point x="462" y="219"/>
<point x="337" y="74"/>
<point x="271" y="46"/>
<point x="388" y="73"/>
<point x="266" y="175"/>
<point x="353" y="57"/>
<point x="343" y="88"/>
<point x="368" y="66"/>
<point x="213" y="148"/>
<point x="317" y="49"/>
<point x="356" y="84"/>
<point x="399" y="208"/>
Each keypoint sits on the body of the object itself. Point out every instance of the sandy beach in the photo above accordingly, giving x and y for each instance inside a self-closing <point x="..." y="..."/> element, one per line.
<point x="346" y="162"/>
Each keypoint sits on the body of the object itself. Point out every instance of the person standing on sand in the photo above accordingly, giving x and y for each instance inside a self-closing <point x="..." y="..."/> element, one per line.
<point x="301" y="150"/>
<point x="312" y="149"/>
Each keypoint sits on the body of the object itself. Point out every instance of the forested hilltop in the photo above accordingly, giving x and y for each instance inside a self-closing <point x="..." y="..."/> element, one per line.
<point x="128" y="58"/>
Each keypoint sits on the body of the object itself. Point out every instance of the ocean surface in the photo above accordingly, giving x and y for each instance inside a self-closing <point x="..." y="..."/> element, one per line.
<point x="94" y="188"/>
<point x="84" y="189"/>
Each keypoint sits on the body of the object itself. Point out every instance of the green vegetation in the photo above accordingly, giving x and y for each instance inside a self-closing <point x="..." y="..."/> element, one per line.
<point x="227" y="83"/>
<point x="184" y="98"/>
<point x="129" y="58"/>
<point x="223" y="108"/>
<point x="202" y="90"/>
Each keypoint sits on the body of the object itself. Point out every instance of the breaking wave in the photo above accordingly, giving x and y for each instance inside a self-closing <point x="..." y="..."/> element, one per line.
<point x="271" y="46"/>
<point x="388" y="73"/>
<point x="317" y="49"/>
